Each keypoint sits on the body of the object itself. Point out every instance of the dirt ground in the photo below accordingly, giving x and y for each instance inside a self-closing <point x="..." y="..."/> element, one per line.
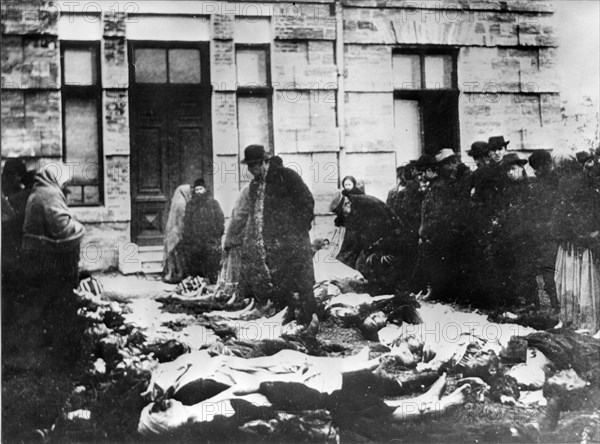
<point x="39" y="391"/>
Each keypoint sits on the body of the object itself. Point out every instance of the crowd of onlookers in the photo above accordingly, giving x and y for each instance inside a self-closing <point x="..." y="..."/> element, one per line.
<point x="483" y="236"/>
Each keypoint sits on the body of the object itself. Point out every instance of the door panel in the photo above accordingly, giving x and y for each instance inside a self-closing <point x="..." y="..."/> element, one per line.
<point x="150" y="161"/>
<point x="171" y="145"/>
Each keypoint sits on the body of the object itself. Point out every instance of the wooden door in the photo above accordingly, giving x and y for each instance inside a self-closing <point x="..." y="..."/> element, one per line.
<point x="170" y="134"/>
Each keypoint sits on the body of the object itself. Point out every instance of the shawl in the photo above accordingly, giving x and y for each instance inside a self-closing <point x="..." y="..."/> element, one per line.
<point x="174" y="228"/>
<point x="48" y="221"/>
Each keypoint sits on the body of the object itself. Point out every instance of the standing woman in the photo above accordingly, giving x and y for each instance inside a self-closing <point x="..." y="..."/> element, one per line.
<point x="577" y="227"/>
<point x="51" y="246"/>
<point x="174" y="261"/>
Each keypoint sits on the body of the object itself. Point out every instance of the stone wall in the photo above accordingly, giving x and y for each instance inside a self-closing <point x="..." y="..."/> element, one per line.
<point x="32" y="115"/>
<point x="506" y="72"/>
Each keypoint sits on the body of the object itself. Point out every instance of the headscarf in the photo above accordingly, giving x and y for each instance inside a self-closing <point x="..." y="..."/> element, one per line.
<point x="55" y="174"/>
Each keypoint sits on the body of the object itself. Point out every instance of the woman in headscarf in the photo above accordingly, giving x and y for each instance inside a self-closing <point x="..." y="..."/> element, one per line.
<point x="349" y="249"/>
<point x="51" y="246"/>
<point x="350" y="186"/>
<point x="174" y="260"/>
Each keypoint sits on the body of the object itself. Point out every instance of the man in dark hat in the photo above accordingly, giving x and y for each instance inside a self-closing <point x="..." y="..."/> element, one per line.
<point x="497" y="148"/>
<point x="510" y="234"/>
<point x="480" y="153"/>
<point x="426" y="171"/>
<point x="203" y="227"/>
<point x="512" y="165"/>
<point x="442" y="228"/>
<point x="487" y="183"/>
<point x="276" y="249"/>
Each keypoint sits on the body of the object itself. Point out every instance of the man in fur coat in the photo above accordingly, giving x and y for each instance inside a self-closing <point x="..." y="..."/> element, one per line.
<point x="276" y="260"/>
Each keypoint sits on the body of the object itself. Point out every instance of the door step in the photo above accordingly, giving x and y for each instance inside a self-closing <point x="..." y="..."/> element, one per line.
<point x="136" y="259"/>
<point x="151" y="259"/>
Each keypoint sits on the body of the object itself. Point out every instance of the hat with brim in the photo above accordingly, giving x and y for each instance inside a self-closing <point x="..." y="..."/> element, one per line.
<point x="254" y="154"/>
<point x="445" y="156"/>
<point x="497" y="143"/>
<point x="337" y="202"/>
<point x="512" y="159"/>
<point x="478" y="149"/>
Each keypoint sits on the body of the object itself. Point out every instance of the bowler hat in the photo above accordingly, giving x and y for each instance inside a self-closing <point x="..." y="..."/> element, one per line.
<point x="478" y="149"/>
<point x="512" y="158"/>
<point x="254" y="154"/>
<point x="445" y="155"/>
<point x="497" y="143"/>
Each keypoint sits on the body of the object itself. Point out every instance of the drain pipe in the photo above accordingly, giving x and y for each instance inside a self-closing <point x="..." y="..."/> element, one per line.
<point x="341" y="94"/>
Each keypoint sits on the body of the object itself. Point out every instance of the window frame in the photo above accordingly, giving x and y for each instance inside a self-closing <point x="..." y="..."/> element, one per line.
<point x="167" y="45"/>
<point x="428" y="94"/>
<point x="424" y="52"/>
<point x="89" y="92"/>
<point x="265" y="91"/>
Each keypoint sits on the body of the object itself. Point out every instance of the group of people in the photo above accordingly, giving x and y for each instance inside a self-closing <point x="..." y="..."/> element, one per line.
<point x="193" y="234"/>
<point x="484" y="236"/>
<point x="481" y="237"/>
<point x="266" y="251"/>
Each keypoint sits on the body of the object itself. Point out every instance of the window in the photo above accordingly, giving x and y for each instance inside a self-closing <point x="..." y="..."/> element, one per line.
<point x="81" y="104"/>
<point x="254" y="97"/>
<point x="167" y="65"/>
<point x="425" y="101"/>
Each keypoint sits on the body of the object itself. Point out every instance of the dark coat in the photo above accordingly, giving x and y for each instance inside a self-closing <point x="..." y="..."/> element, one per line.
<point x="487" y="182"/>
<point x="377" y="232"/>
<point x="577" y="210"/>
<point x="288" y="212"/>
<point x="203" y="222"/>
<point x="443" y="230"/>
<point x="203" y="227"/>
<point x="372" y="219"/>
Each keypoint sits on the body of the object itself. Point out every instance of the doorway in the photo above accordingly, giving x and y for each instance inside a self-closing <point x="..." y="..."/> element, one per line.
<point x="170" y="115"/>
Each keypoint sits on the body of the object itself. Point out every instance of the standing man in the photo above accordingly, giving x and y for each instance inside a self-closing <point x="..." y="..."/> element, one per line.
<point x="497" y="148"/>
<point x="203" y="227"/>
<point x="442" y="230"/>
<point x="277" y="255"/>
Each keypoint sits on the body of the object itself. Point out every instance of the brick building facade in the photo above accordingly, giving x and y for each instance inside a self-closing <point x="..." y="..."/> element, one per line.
<point x="140" y="97"/>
